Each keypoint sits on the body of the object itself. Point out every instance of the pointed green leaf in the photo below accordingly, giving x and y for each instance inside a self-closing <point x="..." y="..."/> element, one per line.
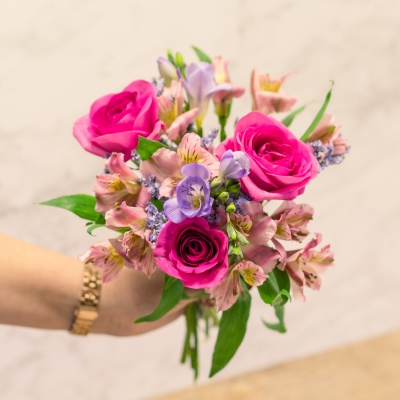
<point x="232" y="329"/>
<point x="280" y="326"/>
<point x="80" y="204"/>
<point x="146" y="147"/>
<point x="201" y="55"/>
<point x="170" y="297"/>
<point x="158" y="204"/>
<point x="275" y="289"/>
<point x="287" y="121"/>
<point x="318" y="116"/>
<point x="170" y="56"/>
<point x="93" y="227"/>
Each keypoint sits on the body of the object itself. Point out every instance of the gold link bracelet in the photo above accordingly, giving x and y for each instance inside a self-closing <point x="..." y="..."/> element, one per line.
<point x="86" y="312"/>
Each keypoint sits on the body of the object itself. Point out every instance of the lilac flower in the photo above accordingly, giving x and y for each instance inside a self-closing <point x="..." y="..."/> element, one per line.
<point x="155" y="222"/>
<point x="234" y="165"/>
<point x="208" y="141"/>
<point x="200" y="86"/>
<point x="193" y="195"/>
<point x="325" y="154"/>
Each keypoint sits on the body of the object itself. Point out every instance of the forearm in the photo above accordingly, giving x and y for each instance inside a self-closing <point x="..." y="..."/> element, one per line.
<point x="38" y="288"/>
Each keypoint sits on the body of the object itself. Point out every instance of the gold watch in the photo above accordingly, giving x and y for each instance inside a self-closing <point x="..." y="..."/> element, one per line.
<point x="86" y="312"/>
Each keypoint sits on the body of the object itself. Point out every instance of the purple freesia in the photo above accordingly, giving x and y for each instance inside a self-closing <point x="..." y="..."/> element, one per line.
<point x="234" y="165"/>
<point x="193" y="195"/>
<point x="200" y="86"/>
<point x="167" y="71"/>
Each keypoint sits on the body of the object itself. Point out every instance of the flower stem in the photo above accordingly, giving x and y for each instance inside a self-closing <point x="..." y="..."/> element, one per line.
<point x="222" y="122"/>
<point x="190" y="347"/>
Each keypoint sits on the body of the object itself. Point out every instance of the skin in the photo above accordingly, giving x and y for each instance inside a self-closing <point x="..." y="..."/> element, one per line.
<point x="40" y="288"/>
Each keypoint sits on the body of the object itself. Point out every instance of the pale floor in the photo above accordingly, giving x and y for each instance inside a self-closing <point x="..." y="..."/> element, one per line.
<point x="363" y="371"/>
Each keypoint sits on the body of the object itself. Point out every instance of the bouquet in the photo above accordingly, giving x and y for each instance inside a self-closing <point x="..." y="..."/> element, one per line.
<point x="177" y="201"/>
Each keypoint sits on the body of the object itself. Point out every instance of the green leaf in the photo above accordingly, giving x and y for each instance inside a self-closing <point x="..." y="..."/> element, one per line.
<point x="280" y="326"/>
<point x="170" y="297"/>
<point x="146" y="147"/>
<point x="91" y="228"/>
<point x="100" y="220"/>
<point x="170" y="56"/>
<point x="80" y="204"/>
<point x="158" y="204"/>
<point x="275" y="289"/>
<point x="232" y="329"/>
<point x="287" y="121"/>
<point x="318" y="116"/>
<point x="201" y="55"/>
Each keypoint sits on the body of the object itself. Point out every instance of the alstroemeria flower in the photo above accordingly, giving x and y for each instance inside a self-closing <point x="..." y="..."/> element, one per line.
<point x="327" y="132"/>
<point x="224" y="97"/>
<point x="170" y="105"/>
<point x="135" y="242"/>
<point x="120" y="185"/>
<point x="105" y="255"/>
<point x="234" y="165"/>
<point x="261" y="230"/>
<point x="227" y="292"/>
<point x="167" y="71"/>
<point x="167" y="165"/>
<point x="200" y="86"/>
<point x="292" y="220"/>
<point x="304" y="267"/>
<point x="192" y="195"/>
<point x="267" y="96"/>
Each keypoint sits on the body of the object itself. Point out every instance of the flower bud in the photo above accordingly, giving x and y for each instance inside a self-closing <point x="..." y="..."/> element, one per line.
<point x="233" y="186"/>
<point x="234" y="165"/>
<point x="167" y="71"/>
<point x="223" y="197"/>
<point x="231" y="208"/>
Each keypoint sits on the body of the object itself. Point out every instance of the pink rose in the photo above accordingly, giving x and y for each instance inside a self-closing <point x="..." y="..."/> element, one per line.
<point x="193" y="252"/>
<point x="280" y="164"/>
<point x="116" y="120"/>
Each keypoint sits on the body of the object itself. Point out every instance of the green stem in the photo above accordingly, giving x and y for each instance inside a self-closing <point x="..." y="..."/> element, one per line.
<point x="190" y="347"/>
<point x="222" y="122"/>
<point x="200" y="131"/>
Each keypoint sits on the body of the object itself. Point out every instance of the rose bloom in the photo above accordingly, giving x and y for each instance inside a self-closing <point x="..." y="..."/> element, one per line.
<point x="280" y="164"/>
<point x="193" y="252"/>
<point x="116" y="120"/>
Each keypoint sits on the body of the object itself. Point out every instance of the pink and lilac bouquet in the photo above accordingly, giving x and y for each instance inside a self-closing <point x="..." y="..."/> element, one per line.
<point x="179" y="202"/>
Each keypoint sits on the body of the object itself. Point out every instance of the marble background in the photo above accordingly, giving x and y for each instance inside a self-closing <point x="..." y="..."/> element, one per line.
<point x="58" y="56"/>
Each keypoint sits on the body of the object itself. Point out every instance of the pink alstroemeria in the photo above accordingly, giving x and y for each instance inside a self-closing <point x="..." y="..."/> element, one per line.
<point x="223" y="98"/>
<point x="262" y="231"/>
<point x="304" y="267"/>
<point x="327" y="132"/>
<point x="267" y="95"/>
<point x="166" y="164"/>
<point x="292" y="220"/>
<point x="105" y="255"/>
<point x="121" y="185"/>
<point x="258" y="228"/>
<point x="227" y="292"/>
<point x="136" y="246"/>
<point x="170" y="105"/>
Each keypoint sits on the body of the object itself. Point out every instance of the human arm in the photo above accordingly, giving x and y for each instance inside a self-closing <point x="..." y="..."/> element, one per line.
<point x="40" y="288"/>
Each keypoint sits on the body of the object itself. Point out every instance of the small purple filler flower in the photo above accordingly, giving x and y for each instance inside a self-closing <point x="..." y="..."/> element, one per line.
<point x="234" y="165"/>
<point x="192" y="195"/>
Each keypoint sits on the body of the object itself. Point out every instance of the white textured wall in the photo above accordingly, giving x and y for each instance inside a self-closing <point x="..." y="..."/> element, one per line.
<point x="59" y="56"/>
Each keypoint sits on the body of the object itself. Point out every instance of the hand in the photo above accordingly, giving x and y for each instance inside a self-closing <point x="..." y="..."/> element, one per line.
<point x="131" y="296"/>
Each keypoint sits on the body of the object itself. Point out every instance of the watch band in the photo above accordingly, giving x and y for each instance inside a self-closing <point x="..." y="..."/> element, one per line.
<point x="86" y="312"/>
